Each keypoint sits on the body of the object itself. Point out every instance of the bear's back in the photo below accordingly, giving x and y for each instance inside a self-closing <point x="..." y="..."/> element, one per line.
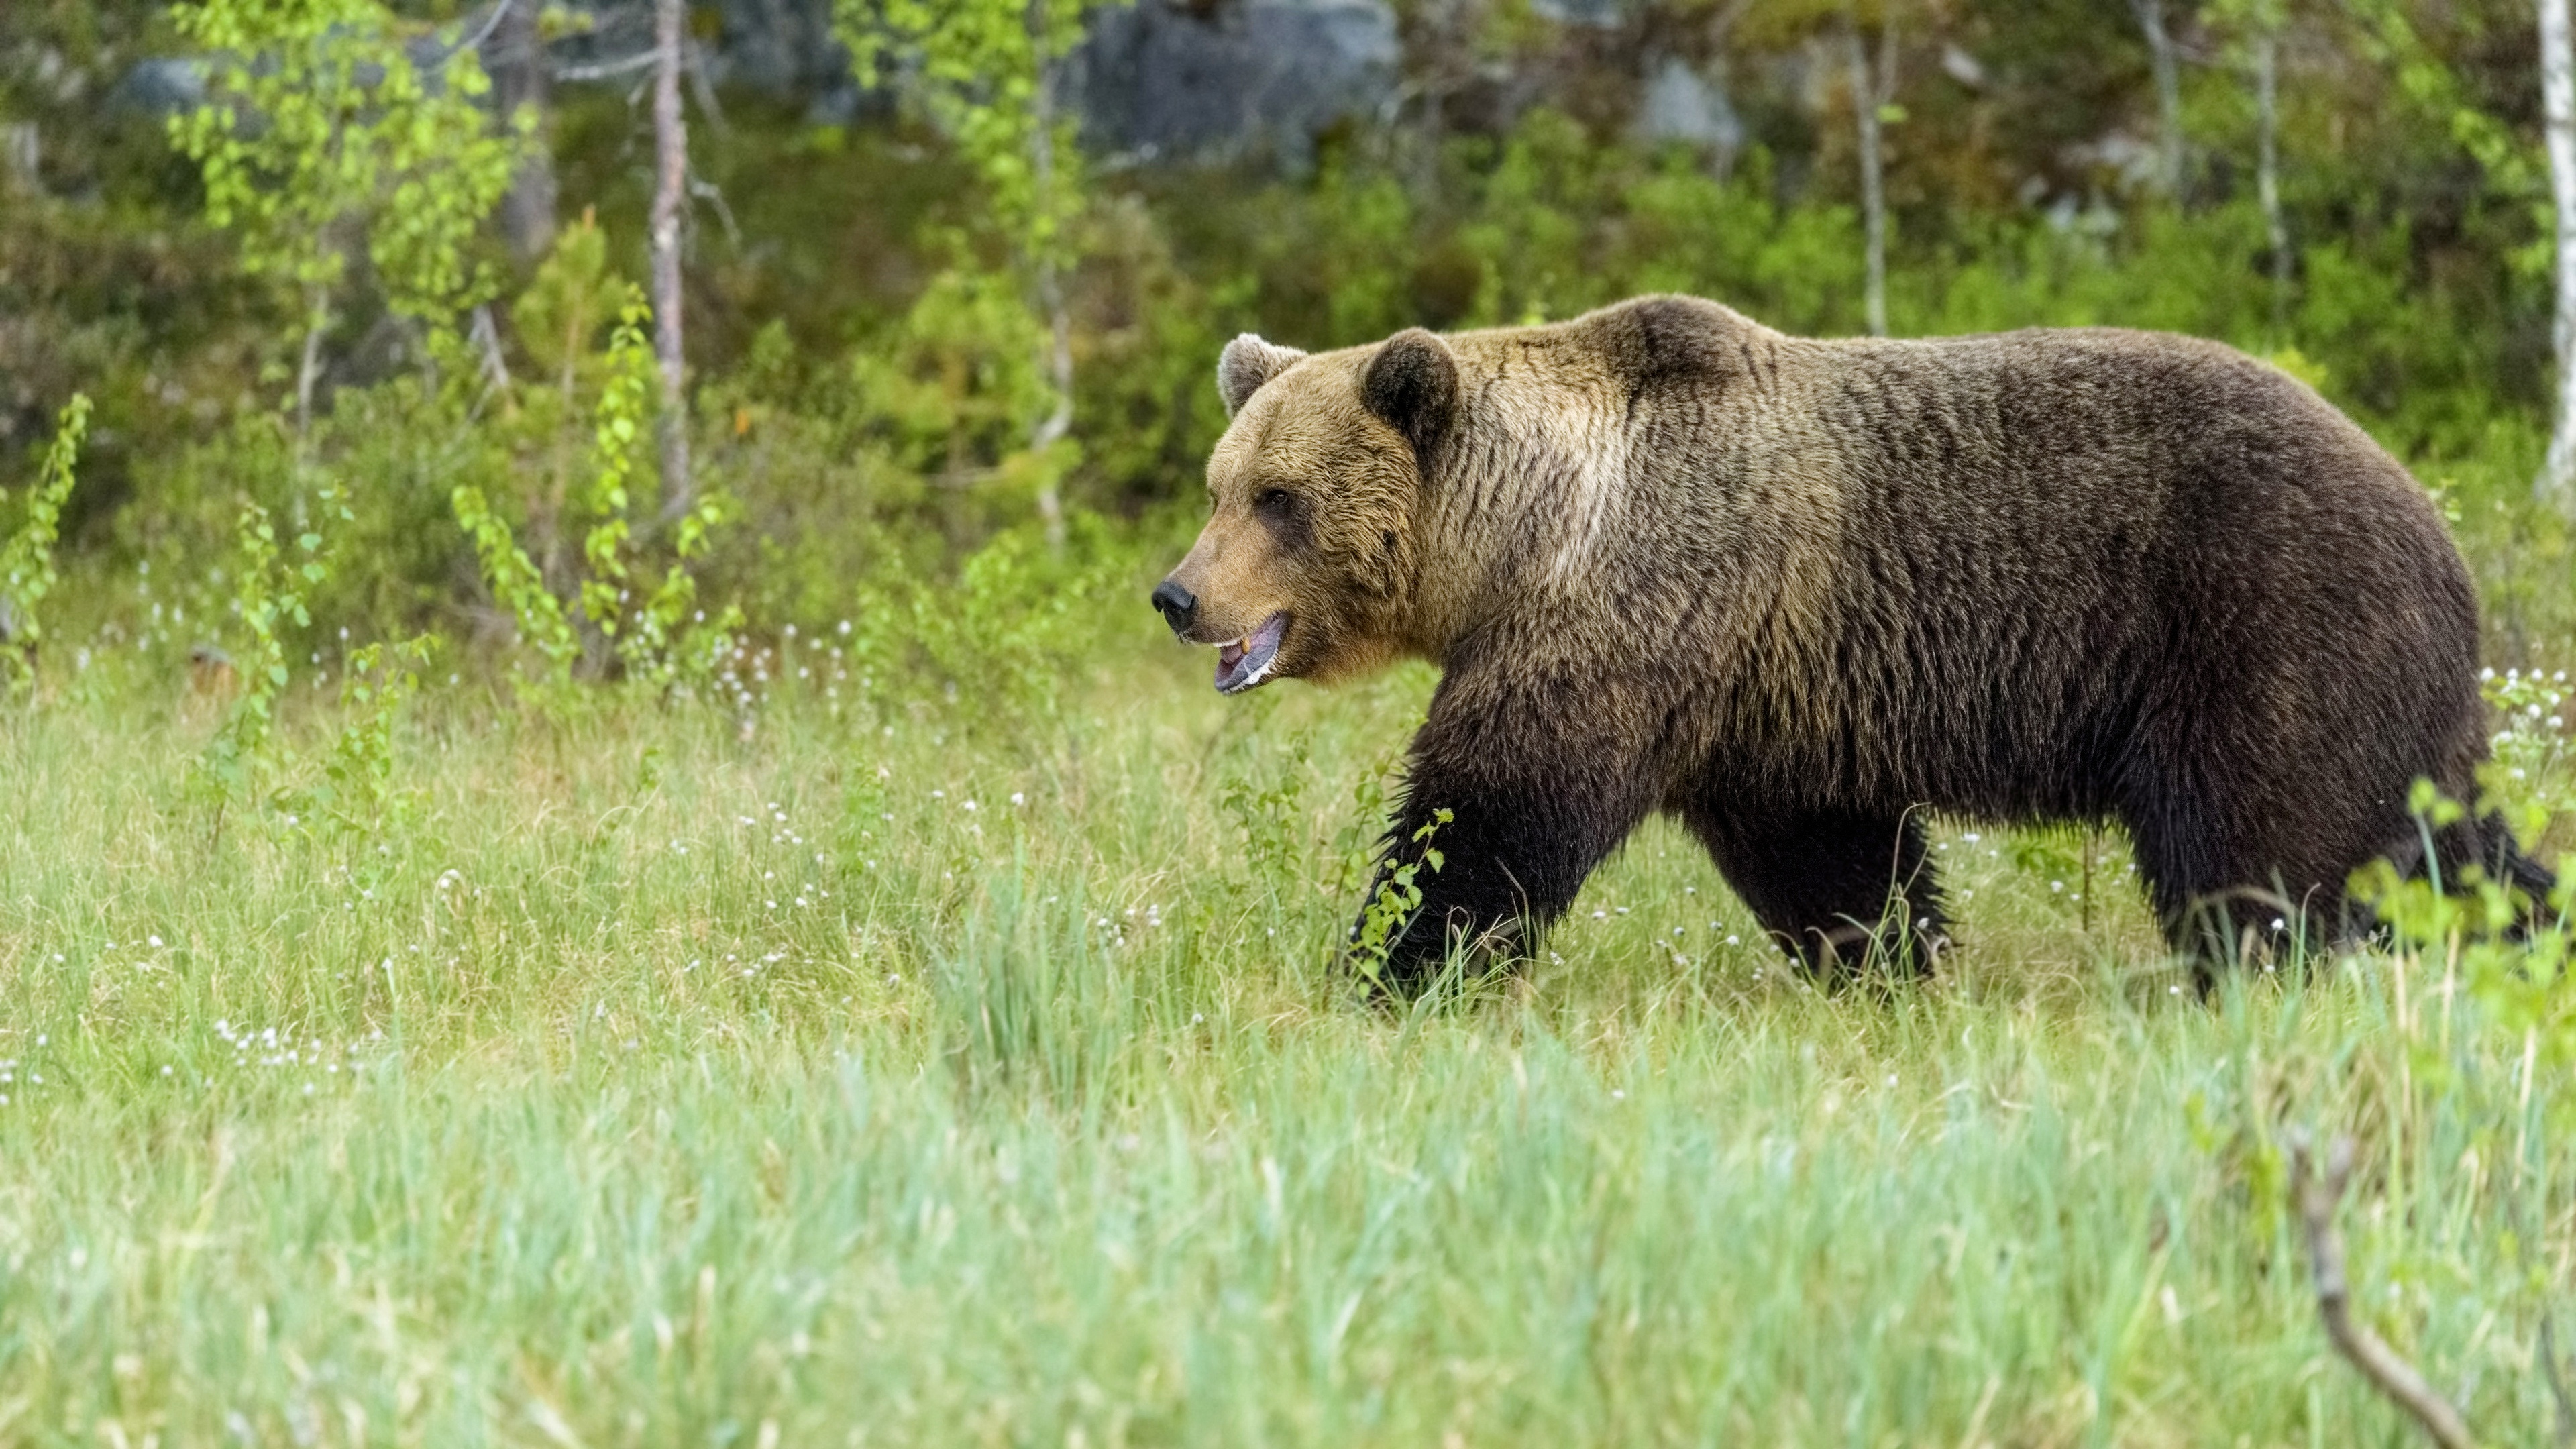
<point x="1879" y="540"/>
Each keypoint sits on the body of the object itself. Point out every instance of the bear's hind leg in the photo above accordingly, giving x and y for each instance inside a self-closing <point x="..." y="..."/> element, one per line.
<point x="2226" y="889"/>
<point x="1836" y="888"/>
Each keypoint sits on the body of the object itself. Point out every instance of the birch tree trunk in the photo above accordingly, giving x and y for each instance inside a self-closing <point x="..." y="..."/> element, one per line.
<point x="2267" y="171"/>
<point x="2557" y="483"/>
<point x="1873" y="190"/>
<point x="670" y="195"/>
<point x="308" y="371"/>
<point x="1059" y="358"/>
<point x="2168" y="73"/>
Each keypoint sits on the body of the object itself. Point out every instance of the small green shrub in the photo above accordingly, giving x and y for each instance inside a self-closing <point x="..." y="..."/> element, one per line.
<point x="245" y="760"/>
<point x="27" y="572"/>
<point x="318" y="119"/>
<point x="1391" y="910"/>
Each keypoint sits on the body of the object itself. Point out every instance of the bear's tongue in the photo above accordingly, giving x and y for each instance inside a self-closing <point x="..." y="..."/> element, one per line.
<point x="1246" y="662"/>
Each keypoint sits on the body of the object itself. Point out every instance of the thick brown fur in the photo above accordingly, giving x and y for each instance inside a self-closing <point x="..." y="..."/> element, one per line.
<point x="1797" y="593"/>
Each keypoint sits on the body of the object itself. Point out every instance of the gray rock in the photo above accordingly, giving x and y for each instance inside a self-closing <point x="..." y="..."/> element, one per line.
<point x="1165" y="80"/>
<point x="162" y="86"/>
<point x="1680" y="104"/>
<point x="1159" y="79"/>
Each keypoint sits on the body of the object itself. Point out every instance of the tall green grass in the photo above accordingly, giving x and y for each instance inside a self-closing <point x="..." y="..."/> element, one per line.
<point x="837" y="1069"/>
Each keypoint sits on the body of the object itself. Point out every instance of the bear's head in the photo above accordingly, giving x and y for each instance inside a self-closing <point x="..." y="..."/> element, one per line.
<point x="1309" y="561"/>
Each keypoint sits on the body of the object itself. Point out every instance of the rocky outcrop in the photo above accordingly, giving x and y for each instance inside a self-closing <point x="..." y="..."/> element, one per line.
<point x="1157" y="79"/>
<point x="1165" y="79"/>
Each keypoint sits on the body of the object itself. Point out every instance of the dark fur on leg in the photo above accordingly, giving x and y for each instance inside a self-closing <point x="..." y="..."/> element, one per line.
<point x="1841" y="892"/>
<point x="1526" y="827"/>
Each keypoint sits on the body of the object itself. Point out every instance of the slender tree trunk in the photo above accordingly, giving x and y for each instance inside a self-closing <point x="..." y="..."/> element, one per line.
<point x="2267" y="171"/>
<point x="516" y="57"/>
<point x="1873" y="190"/>
<point x="670" y="195"/>
<point x="1059" y="359"/>
<point x="2168" y="73"/>
<point x="1059" y="420"/>
<point x="308" y="372"/>
<point x="2557" y="483"/>
<point x="22" y="157"/>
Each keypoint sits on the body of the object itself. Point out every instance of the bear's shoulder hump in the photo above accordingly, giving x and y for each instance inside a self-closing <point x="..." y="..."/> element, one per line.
<point x="1663" y="339"/>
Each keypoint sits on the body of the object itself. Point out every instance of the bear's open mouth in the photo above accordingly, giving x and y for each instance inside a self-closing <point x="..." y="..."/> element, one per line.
<point x="1247" y="661"/>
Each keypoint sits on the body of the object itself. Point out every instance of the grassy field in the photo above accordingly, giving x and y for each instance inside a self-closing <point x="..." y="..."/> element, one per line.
<point x="818" y="1071"/>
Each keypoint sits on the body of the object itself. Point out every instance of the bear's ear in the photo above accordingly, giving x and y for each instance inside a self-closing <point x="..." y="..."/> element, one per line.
<point x="1413" y="384"/>
<point x="1245" y="365"/>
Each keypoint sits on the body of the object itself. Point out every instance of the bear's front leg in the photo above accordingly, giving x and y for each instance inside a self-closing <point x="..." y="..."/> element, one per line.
<point x="1532" y="807"/>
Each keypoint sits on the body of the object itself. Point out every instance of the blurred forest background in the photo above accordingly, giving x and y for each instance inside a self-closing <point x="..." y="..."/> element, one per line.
<point x="952" y="271"/>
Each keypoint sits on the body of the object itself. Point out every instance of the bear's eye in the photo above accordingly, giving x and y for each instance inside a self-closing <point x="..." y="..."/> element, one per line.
<point x="1272" y="500"/>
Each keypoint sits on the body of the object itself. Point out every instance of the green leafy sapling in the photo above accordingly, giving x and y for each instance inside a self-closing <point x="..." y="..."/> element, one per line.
<point x="2515" y="168"/>
<point x="245" y="759"/>
<point x="990" y="72"/>
<point x="662" y="638"/>
<point x="1274" y="834"/>
<point x="669" y="639"/>
<point x="518" y="587"/>
<point x="320" y="134"/>
<point x="1384" y="918"/>
<point x="624" y="416"/>
<point x="2508" y="954"/>
<point x="357" y="793"/>
<point x="1355" y="845"/>
<point x="27" y="559"/>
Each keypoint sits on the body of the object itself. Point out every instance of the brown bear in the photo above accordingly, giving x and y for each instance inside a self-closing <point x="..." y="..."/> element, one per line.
<point x="1798" y="593"/>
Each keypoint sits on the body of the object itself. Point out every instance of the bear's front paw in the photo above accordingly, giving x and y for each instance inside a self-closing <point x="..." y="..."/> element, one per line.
<point x="1431" y="949"/>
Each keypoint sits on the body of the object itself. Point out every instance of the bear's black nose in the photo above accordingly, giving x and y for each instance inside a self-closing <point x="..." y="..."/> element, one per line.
<point x="1176" y="603"/>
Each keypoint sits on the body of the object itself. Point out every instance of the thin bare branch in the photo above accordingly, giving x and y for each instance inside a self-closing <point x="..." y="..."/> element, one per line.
<point x="484" y="31"/>
<point x="2316" y="1195"/>
<point x="712" y="194"/>
<point x="608" y="69"/>
<point x="702" y="90"/>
